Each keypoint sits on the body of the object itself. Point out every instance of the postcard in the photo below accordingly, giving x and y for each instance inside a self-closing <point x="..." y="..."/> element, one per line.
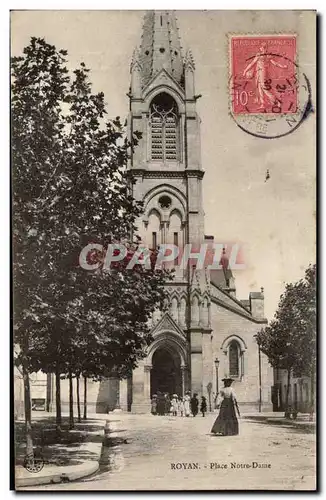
<point x="164" y="261"/>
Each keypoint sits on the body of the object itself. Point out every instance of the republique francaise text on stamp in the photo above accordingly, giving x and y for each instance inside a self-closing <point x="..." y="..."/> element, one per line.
<point x="269" y="95"/>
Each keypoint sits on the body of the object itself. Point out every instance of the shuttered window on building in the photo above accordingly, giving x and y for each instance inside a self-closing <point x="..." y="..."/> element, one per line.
<point x="157" y="137"/>
<point x="164" y="129"/>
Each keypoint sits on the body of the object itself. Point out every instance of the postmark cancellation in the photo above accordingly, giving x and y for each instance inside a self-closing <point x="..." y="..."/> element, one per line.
<point x="269" y="95"/>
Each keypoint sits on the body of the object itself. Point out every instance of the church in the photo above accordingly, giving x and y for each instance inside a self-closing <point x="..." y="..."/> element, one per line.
<point x="205" y="332"/>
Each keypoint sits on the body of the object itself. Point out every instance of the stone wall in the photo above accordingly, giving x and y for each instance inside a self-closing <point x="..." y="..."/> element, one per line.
<point x="226" y="325"/>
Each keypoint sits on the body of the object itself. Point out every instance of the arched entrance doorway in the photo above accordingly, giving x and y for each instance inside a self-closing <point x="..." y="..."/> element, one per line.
<point x="166" y="372"/>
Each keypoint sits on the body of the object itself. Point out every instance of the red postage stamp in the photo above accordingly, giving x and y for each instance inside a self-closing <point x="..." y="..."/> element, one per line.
<point x="263" y="74"/>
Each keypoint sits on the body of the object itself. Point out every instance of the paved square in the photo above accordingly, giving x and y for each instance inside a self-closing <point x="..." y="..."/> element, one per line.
<point x="172" y="453"/>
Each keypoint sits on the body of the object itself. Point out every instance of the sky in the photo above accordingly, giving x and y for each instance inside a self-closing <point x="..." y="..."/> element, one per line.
<point x="273" y="220"/>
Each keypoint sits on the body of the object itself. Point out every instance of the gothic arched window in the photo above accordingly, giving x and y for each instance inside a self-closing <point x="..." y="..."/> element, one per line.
<point x="164" y="128"/>
<point x="234" y="356"/>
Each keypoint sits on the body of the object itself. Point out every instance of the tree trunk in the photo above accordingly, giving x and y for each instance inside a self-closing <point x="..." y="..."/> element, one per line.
<point x="28" y="416"/>
<point x="85" y="398"/>
<point x="58" y="399"/>
<point x="78" y="398"/>
<point x="71" y="402"/>
<point x="287" y="413"/>
<point x="312" y="394"/>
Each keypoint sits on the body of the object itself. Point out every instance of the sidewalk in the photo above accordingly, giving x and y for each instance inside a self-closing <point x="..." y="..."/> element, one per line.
<point x="277" y="418"/>
<point x="74" y="455"/>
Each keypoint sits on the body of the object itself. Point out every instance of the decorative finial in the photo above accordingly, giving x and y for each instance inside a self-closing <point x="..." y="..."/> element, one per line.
<point x="189" y="61"/>
<point x="135" y="60"/>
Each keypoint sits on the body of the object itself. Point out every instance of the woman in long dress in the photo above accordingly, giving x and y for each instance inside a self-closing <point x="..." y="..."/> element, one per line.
<point x="154" y="405"/>
<point x="186" y="402"/>
<point x="167" y="408"/>
<point x="160" y="405"/>
<point x="226" y="423"/>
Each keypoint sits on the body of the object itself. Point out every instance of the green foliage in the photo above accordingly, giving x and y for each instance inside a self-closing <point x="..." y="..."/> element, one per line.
<point x="70" y="188"/>
<point x="290" y="340"/>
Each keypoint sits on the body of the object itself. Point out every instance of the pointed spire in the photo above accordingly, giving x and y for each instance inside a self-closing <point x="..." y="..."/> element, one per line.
<point x="207" y="280"/>
<point x="189" y="61"/>
<point x="135" y="70"/>
<point x="195" y="279"/>
<point x="135" y="61"/>
<point x="160" y="46"/>
<point x="189" y="68"/>
<point x="135" y="57"/>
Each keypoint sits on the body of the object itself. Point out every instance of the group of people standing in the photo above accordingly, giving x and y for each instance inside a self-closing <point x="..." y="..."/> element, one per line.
<point x="226" y="423"/>
<point x="163" y="404"/>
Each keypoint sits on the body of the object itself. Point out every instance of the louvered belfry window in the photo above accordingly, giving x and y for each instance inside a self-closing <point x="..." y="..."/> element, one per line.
<point x="164" y="128"/>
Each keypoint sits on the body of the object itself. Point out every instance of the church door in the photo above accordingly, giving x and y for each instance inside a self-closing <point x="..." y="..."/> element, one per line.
<point x="166" y="372"/>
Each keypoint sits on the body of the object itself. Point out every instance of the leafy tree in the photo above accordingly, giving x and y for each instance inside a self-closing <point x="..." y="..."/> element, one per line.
<point x="39" y="83"/>
<point x="70" y="188"/>
<point x="290" y="340"/>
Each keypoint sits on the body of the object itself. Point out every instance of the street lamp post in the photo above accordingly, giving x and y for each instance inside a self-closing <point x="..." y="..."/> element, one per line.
<point x="209" y="391"/>
<point x="217" y="362"/>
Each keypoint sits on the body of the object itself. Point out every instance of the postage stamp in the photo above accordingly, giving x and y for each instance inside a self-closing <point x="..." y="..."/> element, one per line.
<point x="263" y="74"/>
<point x="269" y="94"/>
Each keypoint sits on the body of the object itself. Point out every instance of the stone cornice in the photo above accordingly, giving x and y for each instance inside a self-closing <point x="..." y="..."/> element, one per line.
<point x="167" y="174"/>
<point x="195" y="173"/>
<point x="207" y="330"/>
<point x="196" y="350"/>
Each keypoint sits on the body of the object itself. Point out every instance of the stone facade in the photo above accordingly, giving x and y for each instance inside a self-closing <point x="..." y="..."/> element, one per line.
<point x="203" y="320"/>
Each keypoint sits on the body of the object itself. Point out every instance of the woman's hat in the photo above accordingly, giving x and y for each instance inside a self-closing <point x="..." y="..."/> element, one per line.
<point x="227" y="379"/>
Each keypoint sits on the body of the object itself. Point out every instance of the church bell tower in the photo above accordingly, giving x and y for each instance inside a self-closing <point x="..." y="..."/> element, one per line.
<point x="166" y="164"/>
<point x="166" y="170"/>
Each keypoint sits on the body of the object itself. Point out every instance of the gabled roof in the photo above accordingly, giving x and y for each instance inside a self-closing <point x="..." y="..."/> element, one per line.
<point x="224" y="299"/>
<point x="162" y="77"/>
<point x="167" y="323"/>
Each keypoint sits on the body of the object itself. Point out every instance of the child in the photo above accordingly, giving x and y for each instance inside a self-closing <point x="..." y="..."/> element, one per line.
<point x="203" y="405"/>
<point x="181" y="407"/>
<point x="174" y="405"/>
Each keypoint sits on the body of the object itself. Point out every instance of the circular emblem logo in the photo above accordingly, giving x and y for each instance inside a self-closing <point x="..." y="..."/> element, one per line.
<point x="34" y="463"/>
